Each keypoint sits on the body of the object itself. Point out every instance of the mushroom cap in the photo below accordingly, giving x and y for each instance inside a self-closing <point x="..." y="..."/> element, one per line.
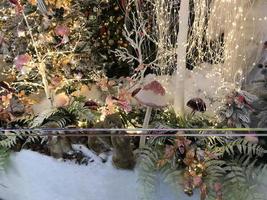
<point x="197" y="104"/>
<point x="151" y="94"/>
<point x="14" y="2"/>
<point x="91" y="104"/>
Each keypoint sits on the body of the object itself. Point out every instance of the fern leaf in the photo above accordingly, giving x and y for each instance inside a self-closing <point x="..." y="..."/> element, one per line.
<point x="39" y="120"/>
<point x="4" y="155"/>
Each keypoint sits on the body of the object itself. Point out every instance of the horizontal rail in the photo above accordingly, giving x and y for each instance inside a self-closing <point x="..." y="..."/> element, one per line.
<point x="138" y="135"/>
<point x="136" y="129"/>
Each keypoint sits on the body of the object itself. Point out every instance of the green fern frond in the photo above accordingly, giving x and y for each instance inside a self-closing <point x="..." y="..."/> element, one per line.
<point x="4" y="155"/>
<point x="172" y="177"/>
<point x="23" y="121"/>
<point x="148" y="157"/>
<point x="81" y="112"/>
<point x="39" y="120"/>
<point x="242" y="175"/>
<point x="8" y="139"/>
<point x="147" y="172"/>
<point x="237" y="146"/>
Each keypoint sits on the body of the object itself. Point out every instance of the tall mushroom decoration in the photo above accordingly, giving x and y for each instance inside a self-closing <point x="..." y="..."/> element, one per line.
<point x="151" y="95"/>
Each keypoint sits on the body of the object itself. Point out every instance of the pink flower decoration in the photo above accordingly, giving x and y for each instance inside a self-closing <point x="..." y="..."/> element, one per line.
<point x="22" y="60"/>
<point x="217" y="187"/>
<point x="252" y="138"/>
<point x="124" y="95"/>
<point x="62" y="30"/>
<point x="197" y="181"/>
<point x="110" y="106"/>
<point x="56" y="80"/>
<point x="124" y="104"/>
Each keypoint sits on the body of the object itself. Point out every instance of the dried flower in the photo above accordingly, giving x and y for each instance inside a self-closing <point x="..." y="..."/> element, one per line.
<point x="110" y="107"/>
<point x="217" y="186"/>
<point x="197" y="180"/>
<point x="105" y="84"/>
<point x="61" y="100"/>
<point x="5" y="116"/>
<point x="169" y="152"/>
<point x="124" y="104"/>
<point x="124" y="94"/>
<point x="21" y="60"/>
<point x="6" y="99"/>
<point x="63" y="31"/>
<point x="252" y="138"/>
<point x="182" y="144"/>
<point x="56" y="80"/>
<point x="17" y="5"/>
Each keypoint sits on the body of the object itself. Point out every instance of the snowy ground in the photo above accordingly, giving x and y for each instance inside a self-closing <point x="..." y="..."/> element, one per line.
<point x="32" y="176"/>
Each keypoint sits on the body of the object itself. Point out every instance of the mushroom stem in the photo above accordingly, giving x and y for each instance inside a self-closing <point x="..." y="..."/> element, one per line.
<point x="145" y="126"/>
<point x="181" y="58"/>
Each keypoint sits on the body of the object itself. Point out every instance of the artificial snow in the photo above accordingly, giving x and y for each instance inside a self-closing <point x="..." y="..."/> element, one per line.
<point x="33" y="176"/>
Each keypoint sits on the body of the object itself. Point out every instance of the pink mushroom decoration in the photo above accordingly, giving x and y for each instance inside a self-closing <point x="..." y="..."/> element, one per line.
<point x="62" y="31"/>
<point x="151" y="95"/>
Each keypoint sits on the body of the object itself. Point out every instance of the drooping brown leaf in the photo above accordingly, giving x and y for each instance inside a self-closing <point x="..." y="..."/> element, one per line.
<point x="4" y="115"/>
<point x="190" y="156"/>
<point x="188" y="184"/>
<point x="169" y="151"/>
<point x="123" y="4"/>
<point x="161" y="163"/>
<point x="182" y="143"/>
<point x="203" y="191"/>
<point x="218" y="189"/>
